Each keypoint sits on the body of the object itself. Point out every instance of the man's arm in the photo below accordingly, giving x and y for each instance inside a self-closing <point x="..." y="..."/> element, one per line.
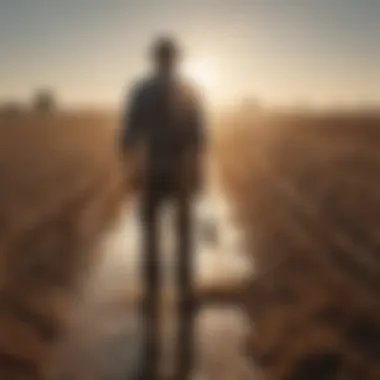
<point x="197" y="121"/>
<point x="198" y="137"/>
<point x="132" y="122"/>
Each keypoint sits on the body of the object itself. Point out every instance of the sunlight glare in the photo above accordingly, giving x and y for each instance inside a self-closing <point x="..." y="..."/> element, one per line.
<point x="201" y="73"/>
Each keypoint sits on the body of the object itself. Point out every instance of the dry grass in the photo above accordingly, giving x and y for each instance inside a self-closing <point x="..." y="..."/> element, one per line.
<point x="46" y="162"/>
<point x="306" y="191"/>
<point x="303" y="186"/>
<point x="62" y="185"/>
<point x="282" y="169"/>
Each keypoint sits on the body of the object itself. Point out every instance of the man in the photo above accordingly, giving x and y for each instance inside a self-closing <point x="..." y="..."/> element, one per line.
<point x="164" y="115"/>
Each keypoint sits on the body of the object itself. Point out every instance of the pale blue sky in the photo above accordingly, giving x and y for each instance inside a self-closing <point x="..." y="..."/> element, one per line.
<point x="280" y="50"/>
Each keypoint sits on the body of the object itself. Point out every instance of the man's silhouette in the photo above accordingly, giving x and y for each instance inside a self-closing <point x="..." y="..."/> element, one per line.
<point x="164" y="115"/>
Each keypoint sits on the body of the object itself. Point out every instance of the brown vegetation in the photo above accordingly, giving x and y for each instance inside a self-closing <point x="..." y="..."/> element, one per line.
<point x="61" y="186"/>
<point x="306" y="191"/>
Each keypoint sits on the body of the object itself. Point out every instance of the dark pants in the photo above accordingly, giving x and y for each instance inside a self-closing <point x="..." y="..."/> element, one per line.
<point x="156" y="192"/>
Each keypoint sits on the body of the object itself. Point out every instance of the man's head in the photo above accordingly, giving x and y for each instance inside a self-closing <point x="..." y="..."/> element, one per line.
<point x="166" y="54"/>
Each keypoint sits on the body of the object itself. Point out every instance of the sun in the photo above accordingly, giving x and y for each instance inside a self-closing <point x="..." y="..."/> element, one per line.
<point x="201" y="73"/>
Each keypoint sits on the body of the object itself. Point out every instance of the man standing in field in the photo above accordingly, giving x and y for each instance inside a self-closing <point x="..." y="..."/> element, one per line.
<point x="164" y="116"/>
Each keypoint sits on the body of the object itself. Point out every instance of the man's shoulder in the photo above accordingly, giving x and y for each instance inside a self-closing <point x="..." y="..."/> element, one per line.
<point x="190" y="89"/>
<point x="153" y="83"/>
<point x="141" y="85"/>
<point x="187" y="84"/>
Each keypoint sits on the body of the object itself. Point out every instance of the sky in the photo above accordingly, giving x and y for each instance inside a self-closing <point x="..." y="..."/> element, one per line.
<point x="279" y="51"/>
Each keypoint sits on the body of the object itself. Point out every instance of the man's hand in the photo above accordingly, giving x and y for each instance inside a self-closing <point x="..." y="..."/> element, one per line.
<point x="134" y="168"/>
<point x="192" y="181"/>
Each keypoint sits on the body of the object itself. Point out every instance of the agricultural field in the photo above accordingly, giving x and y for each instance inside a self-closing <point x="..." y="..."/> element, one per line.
<point x="297" y="186"/>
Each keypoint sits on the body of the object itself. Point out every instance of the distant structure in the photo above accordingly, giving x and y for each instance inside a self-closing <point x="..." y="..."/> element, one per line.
<point x="250" y="106"/>
<point x="12" y="108"/>
<point x="44" y="101"/>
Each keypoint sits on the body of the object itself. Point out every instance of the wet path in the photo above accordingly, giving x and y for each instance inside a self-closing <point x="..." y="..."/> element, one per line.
<point x="105" y="339"/>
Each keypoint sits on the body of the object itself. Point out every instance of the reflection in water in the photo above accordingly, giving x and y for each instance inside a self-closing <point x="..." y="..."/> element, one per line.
<point x="106" y="332"/>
